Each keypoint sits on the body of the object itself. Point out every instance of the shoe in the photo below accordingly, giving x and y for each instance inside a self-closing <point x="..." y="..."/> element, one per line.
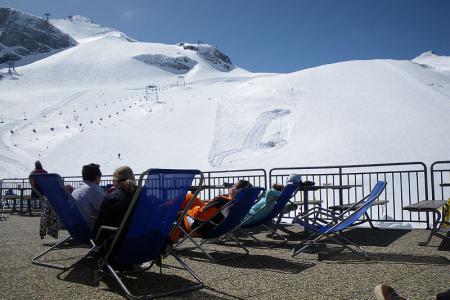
<point x="385" y="292"/>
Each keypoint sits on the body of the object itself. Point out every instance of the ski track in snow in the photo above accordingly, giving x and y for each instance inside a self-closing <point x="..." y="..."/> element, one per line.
<point x="252" y="140"/>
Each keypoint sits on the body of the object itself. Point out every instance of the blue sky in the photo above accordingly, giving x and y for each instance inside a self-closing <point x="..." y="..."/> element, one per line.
<point x="273" y="35"/>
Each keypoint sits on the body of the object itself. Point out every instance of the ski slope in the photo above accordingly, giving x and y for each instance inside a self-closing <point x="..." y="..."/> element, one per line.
<point x="89" y="103"/>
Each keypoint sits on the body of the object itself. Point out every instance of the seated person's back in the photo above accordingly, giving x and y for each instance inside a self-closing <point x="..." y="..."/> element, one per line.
<point x="115" y="205"/>
<point x="263" y="207"/>
<point x="89" y="194"/>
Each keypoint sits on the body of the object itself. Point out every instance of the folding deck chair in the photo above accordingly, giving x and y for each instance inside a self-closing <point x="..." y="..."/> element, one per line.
<point x="143" y="235"/>
<point x="51" y="190"/>
<point x="320" y="228"/>
<point x="237" y="209"/>
<point x="265" y="217"/>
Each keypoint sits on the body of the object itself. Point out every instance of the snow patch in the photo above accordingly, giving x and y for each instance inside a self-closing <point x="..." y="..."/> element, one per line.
<point x="83" y="29"/>
<point x="241" y="138"/>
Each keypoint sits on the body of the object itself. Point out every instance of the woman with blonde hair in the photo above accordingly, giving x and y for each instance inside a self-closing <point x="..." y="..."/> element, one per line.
<point x="116" y="204"/>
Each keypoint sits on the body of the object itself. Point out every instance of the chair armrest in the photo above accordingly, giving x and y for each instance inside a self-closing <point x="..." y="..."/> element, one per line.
<point x="105" y="228"/>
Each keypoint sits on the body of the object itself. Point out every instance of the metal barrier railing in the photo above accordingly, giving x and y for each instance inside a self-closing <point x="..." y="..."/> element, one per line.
<point x="440" y="180"/>
<point x="216" y="182"/>
<point x="406" y="184"/>
<point x="13" y="193"/>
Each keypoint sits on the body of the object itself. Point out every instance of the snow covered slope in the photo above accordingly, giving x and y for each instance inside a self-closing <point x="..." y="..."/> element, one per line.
<point x="91" y="102"/>
<point x="83" y="29"/>
<point x="432" y="60"/>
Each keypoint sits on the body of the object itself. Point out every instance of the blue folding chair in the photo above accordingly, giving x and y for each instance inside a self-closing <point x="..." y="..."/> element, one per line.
<point x="264" y="216"/>
<point x="320" y="228"/>
<point x="143" y="235"/>
<point x="236" y="209"/>
<point x="51" y="189"/>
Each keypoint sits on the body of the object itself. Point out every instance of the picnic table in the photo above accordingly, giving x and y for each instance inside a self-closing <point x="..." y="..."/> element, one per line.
<point x="431" y="206"/>
<point x="21" y="197"/>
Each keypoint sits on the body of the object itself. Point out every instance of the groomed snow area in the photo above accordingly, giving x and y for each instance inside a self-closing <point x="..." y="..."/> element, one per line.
<point x="89" y="103"/>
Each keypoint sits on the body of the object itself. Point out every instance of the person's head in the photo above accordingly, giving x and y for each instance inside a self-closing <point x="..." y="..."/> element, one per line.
<point x="241" y="184"/>
<point x="91" y="172"/>
<point x="69" y="188"/>
<point x="277" y="187"/>
<point x="123" y="178"/>
<point x="38" y="165"/>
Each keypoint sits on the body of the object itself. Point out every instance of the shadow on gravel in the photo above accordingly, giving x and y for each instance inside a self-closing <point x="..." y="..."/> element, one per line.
<point x="375" y="237"/>
<point x="394" y="258"/>
<point x="252" y="261"/>
<point x="145" y="282"/>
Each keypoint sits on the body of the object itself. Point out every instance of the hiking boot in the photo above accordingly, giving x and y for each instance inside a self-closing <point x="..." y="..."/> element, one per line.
<point x="385" y="292"/>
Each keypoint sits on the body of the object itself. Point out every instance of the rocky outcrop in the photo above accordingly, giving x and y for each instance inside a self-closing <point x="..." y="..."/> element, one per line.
<point x="22" y="34"/>
<point x="211" y="54"/>
<point x="177" y="65"/>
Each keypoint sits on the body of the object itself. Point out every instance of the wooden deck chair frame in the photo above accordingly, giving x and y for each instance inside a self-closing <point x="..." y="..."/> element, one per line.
<point x="440" y="224"/>
<point x="105" y="265"/>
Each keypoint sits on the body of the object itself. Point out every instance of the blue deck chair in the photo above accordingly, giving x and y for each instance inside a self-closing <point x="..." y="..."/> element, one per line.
<point x="51" y="190"/>
<point x="265" y="216"/>
<point x="331" y="229"/>
<point x="144" y="233"/>
<point x="237" y="209"/>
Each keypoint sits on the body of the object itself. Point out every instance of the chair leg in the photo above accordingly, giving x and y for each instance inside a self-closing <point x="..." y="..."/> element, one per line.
<point x="275" y="233"/>
<point x="370" y="221"/>
<point x="272" y="234"/>
<point x="210" y="257"/>
<point x="306" y="243"/>
<point x="198" y="285"/>
<point x="36" y="261"/>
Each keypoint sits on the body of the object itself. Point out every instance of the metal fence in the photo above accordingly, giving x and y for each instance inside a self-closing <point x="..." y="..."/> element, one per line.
<point x="406" y="184"/>
<point x="218" y="182"/>
<point x="440" y="180"/>
<point x="215" y="183"/>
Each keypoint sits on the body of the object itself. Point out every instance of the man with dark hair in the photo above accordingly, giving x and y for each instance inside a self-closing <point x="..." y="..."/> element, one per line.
<point x="89" y="194"/>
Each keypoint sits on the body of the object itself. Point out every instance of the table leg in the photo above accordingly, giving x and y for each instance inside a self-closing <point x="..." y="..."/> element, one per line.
<point x="305" y="207"/>
<point x="436" y="219"/>
<point x="14" y="209"/>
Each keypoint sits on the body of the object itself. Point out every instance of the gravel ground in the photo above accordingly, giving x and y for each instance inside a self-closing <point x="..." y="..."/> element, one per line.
<point x="396" y="258"/>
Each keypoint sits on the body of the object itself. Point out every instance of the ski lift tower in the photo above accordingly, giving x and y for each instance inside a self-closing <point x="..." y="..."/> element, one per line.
<point x="10" y="66"/>
<point x="180" y="80"/>
<point x="152" y="90"/>
<point x="198" y="45"/>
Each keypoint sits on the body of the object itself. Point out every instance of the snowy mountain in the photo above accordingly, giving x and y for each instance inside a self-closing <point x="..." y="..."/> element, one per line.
<point x="432" y="60"/>
<point x="26" y="36"/>
<point x="84" y="29"/>
<point x="111" y="94"/>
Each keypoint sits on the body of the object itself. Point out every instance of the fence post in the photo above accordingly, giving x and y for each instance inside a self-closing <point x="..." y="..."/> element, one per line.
<point x="341" y="191"/>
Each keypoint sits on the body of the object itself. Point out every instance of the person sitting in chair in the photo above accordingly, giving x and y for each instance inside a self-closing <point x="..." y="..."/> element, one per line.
<point x="115" y="204"/>
<point x="89" y="194"/>
<point x="209" y="210"/>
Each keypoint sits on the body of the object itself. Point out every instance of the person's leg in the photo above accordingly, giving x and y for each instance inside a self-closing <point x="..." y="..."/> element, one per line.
<point x="385" y="292"/>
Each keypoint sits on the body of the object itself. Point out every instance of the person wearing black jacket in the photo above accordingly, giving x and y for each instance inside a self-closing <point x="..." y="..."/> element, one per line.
<point x="115" y="205"/>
